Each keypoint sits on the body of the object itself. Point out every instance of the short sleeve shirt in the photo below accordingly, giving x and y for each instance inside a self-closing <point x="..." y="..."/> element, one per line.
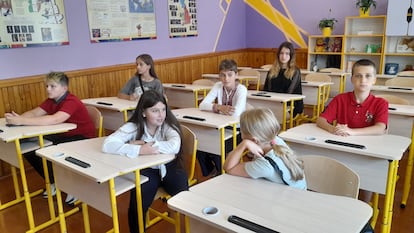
<point x="260" y="167"/>
<point x="133" y="86"/>
<point x="345" y="110"/>
<point x="79" y="115"/>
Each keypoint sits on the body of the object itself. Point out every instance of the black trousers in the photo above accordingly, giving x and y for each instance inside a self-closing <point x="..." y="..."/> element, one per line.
<point x="36" y="161"/>
<point x="175" y="181"/>
<point x="208" y="161"/>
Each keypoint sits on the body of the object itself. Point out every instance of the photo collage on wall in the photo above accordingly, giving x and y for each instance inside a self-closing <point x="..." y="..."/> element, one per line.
<point x="32" y="23"/>
<point x="121" y="20"/>
<point x="182" y="18"/>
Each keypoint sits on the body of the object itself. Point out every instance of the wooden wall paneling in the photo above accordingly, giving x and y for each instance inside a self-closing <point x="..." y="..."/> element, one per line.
<point x="209" y="65"/>
<point x="24" y="93"/>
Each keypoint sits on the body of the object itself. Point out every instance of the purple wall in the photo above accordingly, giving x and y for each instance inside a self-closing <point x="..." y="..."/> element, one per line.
<point x="243" y="27"/>
<point x="306" y="15"/>
<point x="81" y="54"/>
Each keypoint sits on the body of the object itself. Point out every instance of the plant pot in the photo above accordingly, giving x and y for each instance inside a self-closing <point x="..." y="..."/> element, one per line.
<point x="326" y="31"/>
<point x="362" y="14"/>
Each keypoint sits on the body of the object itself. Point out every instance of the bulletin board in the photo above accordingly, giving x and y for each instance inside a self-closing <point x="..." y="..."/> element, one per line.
<point x="182" y="16"/>
<point x="121" y="20"/>
<point x="32" y="23"/>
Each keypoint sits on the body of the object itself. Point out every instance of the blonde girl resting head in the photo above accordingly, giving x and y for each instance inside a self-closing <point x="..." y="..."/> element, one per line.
<point x="259" y="128"/>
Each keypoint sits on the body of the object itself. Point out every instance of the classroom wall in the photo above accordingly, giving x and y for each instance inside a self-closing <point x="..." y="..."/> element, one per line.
<point x="223" y="25"/>
<point x="263" y="31"/>
<point x="81" y="54"/>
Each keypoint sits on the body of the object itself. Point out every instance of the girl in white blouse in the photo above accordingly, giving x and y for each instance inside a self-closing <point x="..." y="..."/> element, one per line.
<point x="152" y="129"/>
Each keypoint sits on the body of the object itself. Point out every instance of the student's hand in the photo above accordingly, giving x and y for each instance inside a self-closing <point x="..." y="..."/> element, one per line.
<point x="134" y="97"/>
<point x="13" y="118"/>
<point x="252" y="147"/>
<point x="342" y="130"/>
<point x="10" y="114"/>
<point x="137" y="142"/>
<point x="148" y="149"/>
<point x="227" y="109"/>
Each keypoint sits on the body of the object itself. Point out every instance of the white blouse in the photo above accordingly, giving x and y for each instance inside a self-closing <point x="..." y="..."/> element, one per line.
<point x="166" y="139"/>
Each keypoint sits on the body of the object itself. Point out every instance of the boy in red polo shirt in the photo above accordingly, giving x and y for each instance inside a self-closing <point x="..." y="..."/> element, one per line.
<point x="60" y="107"/>
<point x="357" y="112"/>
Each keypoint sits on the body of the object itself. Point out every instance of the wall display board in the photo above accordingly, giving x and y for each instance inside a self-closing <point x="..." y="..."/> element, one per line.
<point x="182" y="16"/>
<point x="32" y="23"/>
<point x="121" y="20"/>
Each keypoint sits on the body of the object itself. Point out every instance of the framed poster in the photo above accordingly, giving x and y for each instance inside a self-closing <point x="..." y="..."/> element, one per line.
<point x="182" y="18"/>
<point x="121" y="20"/>
<point x="32" y="23"/>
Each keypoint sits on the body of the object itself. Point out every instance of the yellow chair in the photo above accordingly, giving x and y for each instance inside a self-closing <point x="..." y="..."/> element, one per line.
<point x="250" y="72"/>
<point x="189" y="160"/>
<point x="97" y="118"/>
<point x="330" y="176"/>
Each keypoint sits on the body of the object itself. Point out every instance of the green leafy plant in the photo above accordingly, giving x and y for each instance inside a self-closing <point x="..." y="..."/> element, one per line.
<point x="364" y="5"/>
<point x="327" y="22"/>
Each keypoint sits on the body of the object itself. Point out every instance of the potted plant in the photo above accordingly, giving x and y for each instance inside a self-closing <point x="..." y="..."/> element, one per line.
<point x="365" y="6"/>
<point x="326" y="25"/>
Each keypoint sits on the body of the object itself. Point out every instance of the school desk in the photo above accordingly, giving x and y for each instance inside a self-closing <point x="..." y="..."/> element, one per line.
<point x="12" y="153"/>
<point x="184" y="95"/>
<point x="316" y="93"/>
<point x="114" y="110"/>
<point x="338" y="79"/>
<point x="376" y="164"/>
<point x="277" y="102"/>
<point x="98" y="185"/>
<point x="401" y="118"/>
<point x="403" y="92"/>
<point x="210" y="129"/>
<point x="382" y="78"/>
<point x="275" y="206"/>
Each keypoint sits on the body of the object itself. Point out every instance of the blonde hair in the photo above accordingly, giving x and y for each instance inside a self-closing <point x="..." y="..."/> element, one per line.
<point x="58" y="77"/>
<point x="262" y="124"/>
<point x="291" y="66"/>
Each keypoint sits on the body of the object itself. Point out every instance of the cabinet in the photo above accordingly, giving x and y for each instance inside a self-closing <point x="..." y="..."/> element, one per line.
<point x="399" y="22"/>
<point x="324" y="52"/>
<point x="364" y="38"/>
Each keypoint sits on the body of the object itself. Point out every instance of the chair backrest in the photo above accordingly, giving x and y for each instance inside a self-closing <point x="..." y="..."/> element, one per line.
<point x="326" y="175"/>
<point x="392" y="99"/>
<point x="318" y="77"/>
<point x="333" y="70"/>
<point x="406" y="73"/>
<point x="251" y="72"/>
<point x="97" y="118"/>
<point x="189" y="153"/>
<point x="267" y="66"/>
<point x="203" y="82"/>
<point x="321" y="77"/>
<point x="400" y="82"/>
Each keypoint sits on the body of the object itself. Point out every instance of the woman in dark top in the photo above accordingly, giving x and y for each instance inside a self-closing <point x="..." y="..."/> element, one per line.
<point x="284" y="76"/>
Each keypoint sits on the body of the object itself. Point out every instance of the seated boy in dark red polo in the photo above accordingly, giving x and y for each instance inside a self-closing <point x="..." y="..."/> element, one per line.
<point x="357" y="112"/>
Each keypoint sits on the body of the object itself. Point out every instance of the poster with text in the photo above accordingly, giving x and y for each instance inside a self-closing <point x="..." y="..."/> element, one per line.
<point x="182" y="16"/>
<point x="121" y="20"/>
<point x="32" y="23"/>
